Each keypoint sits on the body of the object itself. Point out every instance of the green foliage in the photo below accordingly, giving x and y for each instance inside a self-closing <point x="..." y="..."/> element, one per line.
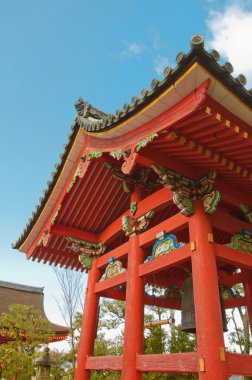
<point x="181" y="342"/>
<point x="26" y="331"/>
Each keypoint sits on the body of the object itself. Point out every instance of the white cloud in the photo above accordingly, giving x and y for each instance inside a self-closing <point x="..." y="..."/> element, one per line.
<point x="160" y="64"/>
<point x="155" y="38"/>
<point x="231" y="35"/>
<point x="132" y="50"/>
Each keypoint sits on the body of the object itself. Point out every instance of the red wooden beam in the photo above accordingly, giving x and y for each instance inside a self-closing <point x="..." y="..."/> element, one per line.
<point x="59" y="230"/>
<point x="230" y="280"/>
<point x="155" y="201"/>
<point x="235" y="302"/>
<point x="228" y="224"/>
<point x="162" y="281"/>
<point x="234" y="197"/>
<point x="176" y="223"/>
<point x="117" y="253"/>
<point x="233" y="256"/>
<point x="111" y="282"/>
<point x="148" y="157"/>
<point x="177" y="363"/>
<point x="119" y="295"/>
<point x="174" y="258"/>
<point x="239" y="364"/>
<point x="106" y="363"/>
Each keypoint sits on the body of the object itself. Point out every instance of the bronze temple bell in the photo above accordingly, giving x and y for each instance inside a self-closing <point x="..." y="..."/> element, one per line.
<point x="188" y="311"/>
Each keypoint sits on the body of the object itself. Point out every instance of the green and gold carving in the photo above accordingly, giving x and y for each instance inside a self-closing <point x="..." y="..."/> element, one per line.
<point x="133" y="208"/>
<point x="132" y="226"/>
<point x="113" y="269"/>
<point x="211" y="201"/>
<point x="186" y="191"/>
<point x="242" y="242"/>
<point x="117" y="154"/>
<point x="40" y="242"/>
<point x="184" y="203"/>
<point x="94" y="154"/>
<point x="86" y="261"/>
<point x="247" y="212"/>
<point x="143" y="143"/>
<point x="76" y="174"/>
<point x="56" y="214"/>
<point x="86" y="247"/>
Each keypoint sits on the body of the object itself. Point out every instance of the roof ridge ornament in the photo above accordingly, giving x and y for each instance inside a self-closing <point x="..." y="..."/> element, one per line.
<point x="86" y="110"/>
<point x="197" y="41"/>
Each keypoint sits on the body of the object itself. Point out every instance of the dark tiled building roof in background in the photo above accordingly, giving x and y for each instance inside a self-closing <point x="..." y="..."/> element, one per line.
<point x="11" y="293"/>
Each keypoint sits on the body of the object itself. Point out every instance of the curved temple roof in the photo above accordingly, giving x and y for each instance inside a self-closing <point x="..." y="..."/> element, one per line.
<point x="104" y="122"/>
<point x="192" y="70"/>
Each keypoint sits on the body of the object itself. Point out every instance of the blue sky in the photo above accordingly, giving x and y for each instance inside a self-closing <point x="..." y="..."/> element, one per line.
<point x="52" y="52"/>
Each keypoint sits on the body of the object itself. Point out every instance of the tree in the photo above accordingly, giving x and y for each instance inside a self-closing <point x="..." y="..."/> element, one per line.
<point x="25" y="331"/>
<point x="239" y="316"/>
<point x="72" y="286"/>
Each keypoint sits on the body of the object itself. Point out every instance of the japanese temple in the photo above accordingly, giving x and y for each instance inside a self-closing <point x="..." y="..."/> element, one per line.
<point x="11" y="293"/>
<point x="159" y="194"/>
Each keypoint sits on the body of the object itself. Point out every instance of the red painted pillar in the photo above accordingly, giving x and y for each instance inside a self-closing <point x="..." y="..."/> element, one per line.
<point x="134" y="318"/>
<point x="247" y="284"/>
<point x="89" y="325"/>
<point x="210" y="340"/>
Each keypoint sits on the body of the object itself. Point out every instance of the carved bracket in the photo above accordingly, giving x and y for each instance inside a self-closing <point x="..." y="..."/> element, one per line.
<point x="113" y="269"/>
<point x="247" y="212"/>
<point x="86" y="247"/>
<point x="132" y="226"/>
<point x="186" y="191"/>
<point x="130" y="154"/>
<point x="44" y="239"/>
<point x="242" y="242"/>
<point x="133" y="208"/>
<point x="129" y="181"/>
<point x="130" y="159"/>
<point x="87" y="250"/>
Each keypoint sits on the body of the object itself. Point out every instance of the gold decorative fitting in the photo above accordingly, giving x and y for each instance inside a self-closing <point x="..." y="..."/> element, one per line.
<point x="227" y="123"/>
<point x="193" y="246"/>
<point x="230" y="165"/>
<point x="223" y="161"/>
<point x="191" y="144"/>
<point x="222" y="354"/>
<point x="208" y="110"/>
<point x="245" y="173"/>
<point x="210" y="238"/>
<point x="245" y="135"/>
<point x="237" y="129"/>
<point x="218" y="116"/>
<point x="202" y="365"/>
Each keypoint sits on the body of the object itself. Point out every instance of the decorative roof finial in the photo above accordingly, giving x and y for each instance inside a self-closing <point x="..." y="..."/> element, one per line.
<point x="197" y="41"/>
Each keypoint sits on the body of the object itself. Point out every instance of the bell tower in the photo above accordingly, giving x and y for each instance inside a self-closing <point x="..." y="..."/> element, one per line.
<point x="158" y="193"/>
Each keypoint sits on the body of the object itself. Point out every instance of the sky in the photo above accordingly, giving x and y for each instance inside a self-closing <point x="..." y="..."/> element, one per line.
<point x="52" y="52"/>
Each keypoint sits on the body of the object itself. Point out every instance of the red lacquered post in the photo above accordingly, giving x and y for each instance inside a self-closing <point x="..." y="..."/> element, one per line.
<point x="134" y="319"/>
<point x="210" y="340"/>
<point x="88" y="326"/>
<point x="247" y="284"/>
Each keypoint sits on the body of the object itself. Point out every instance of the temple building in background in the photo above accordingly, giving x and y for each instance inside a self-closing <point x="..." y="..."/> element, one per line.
<point x="11" y="293"/>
